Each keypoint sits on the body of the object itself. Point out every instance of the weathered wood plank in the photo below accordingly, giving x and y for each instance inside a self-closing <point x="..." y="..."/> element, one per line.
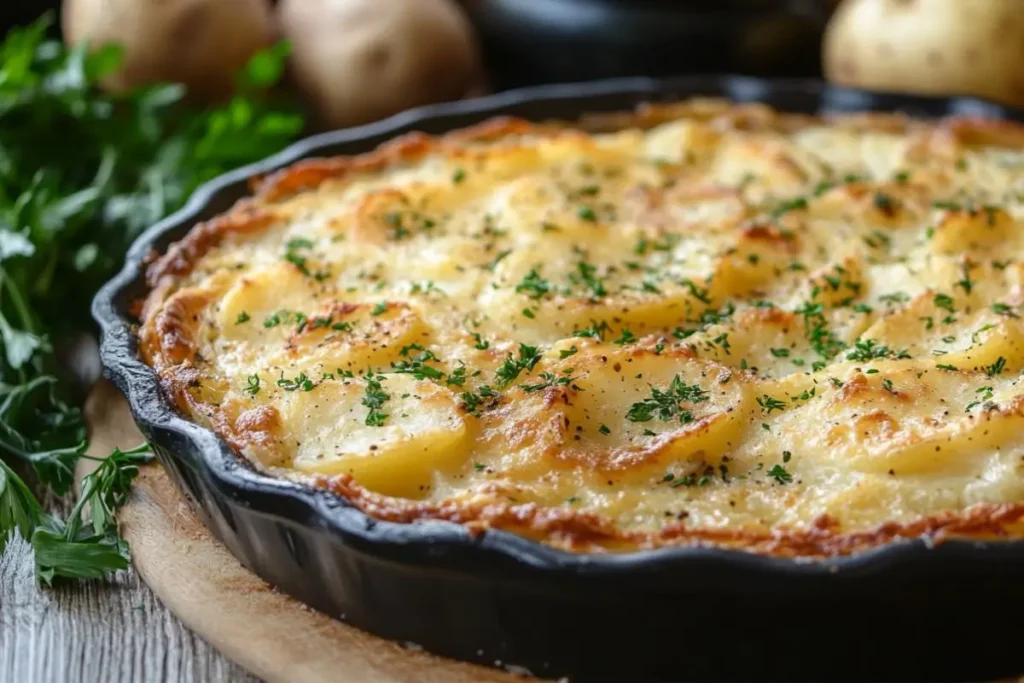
<point x="111" y="631"/>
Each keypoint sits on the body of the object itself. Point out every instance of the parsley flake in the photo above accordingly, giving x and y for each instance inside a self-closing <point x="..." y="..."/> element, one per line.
<point x="667" y="404"/>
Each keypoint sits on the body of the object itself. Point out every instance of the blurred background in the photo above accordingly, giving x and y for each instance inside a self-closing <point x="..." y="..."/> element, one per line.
<point x="353" y="61"/>
<point x="534" y="41"/>
<point x="450" y="48"/>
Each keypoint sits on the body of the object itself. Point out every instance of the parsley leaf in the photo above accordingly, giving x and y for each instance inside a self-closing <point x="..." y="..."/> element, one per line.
<point x="667" y="404"/>
<point x="780" y="475"/>
<point x="869" y="349"/>
<point x="533" y="285"/>
<point x="508" y="371"/>
<point x="83" y="173"/>
<point x="374" y="399"/>
<point x="74" y="548"/>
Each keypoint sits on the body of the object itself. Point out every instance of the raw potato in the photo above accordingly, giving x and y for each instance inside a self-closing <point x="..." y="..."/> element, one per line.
<point x="201" y="43"/>
<point x="973" y="47"/>
<point x="361" y="60"/>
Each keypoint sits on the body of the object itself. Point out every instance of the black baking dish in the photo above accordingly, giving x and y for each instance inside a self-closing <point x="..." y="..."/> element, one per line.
<point x="911" y="610"/>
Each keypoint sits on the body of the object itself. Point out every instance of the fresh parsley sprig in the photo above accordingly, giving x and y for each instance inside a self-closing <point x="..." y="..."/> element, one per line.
<point x="82" y="547"/>
<point x="82" y="173"/>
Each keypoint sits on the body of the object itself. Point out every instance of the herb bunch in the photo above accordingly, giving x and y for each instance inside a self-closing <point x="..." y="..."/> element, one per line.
<point x="82" y="173"/>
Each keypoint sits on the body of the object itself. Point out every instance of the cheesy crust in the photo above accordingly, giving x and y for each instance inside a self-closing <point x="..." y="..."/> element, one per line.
<point x="699" y="323"/>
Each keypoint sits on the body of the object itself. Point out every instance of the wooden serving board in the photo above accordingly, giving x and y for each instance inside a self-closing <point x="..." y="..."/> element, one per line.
<point x="269" y="633"/>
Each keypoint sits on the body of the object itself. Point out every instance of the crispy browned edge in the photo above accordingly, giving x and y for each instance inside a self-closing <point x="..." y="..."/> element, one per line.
<point x="564" y="527"/>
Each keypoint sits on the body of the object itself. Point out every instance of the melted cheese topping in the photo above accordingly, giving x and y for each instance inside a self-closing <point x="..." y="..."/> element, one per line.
<point x="711" y="326"/>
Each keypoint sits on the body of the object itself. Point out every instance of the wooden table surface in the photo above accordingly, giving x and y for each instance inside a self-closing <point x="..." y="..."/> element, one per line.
<point x="113" y="631"/>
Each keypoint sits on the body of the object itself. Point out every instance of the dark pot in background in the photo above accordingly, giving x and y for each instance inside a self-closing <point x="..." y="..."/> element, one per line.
<point x="529" y="42"/>
<point x="21" y="12"/>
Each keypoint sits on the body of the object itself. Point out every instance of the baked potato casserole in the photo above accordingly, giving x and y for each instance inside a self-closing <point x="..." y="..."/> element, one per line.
<point x="708" y="323"/>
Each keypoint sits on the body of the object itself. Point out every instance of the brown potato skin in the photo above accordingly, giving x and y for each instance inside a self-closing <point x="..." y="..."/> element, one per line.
<point x="940" y="47"/>
<point x="200" y="43"/>
<point x="360" y="60"/>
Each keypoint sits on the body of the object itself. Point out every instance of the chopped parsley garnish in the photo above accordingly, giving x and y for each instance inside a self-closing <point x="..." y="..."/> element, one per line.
<point x="587" y="275"/>
<point x="472" y="402"/>
<point x="667" y="405"/>
<point x="498" y="258"/>
<point x="604" y="430"/>
<point x="822" y="187"/>
<point x="626" y="337"/>
<point x="252" y="385"/>
<point x="713" y="317"/>
<point x="966" y="283"/>
<point x="533" y="285"/>
<point x="298" y="243"/>
<point x="1003" y="309"/>
<point x="944" y="301"/>
<point x="550" y="379"/>
<point x="381" y="307"/>
<point x="417" y="364"/>
<point x="285" y="317"/>
<point x="780" y="353"/>
<point x="374" y="400"/>
<point x="723" y="341"/>
<point x="301" y="381"/>
<point x="996" y="368"/>
<point x="586" y="213"/>
<point x="780" y="475"/>
<point x="666" y="242"/>
<point x="869" y="349"/>
<point x="508" y="371"/>
<point x="426" y="288"/>
<point x="458" y="176"/>
<point x="805" y="395"/>
<point x="595" y="331"/>
<point x="298" y="260"/>
<point x="687" y="480"/>
<point x="701" y="293"/>
<point x="877" y="239"/>
<point x="788" y="205"/>
<point x="769" y="403"/>
<point x="481" y="343"/>
<point x="243" y="317"/>
<point x="821" y="339"/>
<point x="565" y="353"/>
<point x="895" y="298"/>
<point x="457" y="377"/>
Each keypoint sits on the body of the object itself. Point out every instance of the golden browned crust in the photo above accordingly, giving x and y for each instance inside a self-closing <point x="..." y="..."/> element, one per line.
<point x="167" y="340"/>
<point x="310" y="173"/>
<point x="245" y="217"/>
<point x="581" y="531"/>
